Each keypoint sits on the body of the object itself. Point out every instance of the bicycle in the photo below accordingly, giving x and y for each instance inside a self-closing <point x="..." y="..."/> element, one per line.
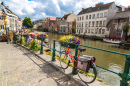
<point x="84" y="69"/>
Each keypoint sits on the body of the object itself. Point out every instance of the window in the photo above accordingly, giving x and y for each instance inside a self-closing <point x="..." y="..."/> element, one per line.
<point x="100" y="24"/>
<point x="86" y="24"/>
<point x="89" y="24"/>
<point x="78" y="19"/>
<point x="103" y="31"/>
<point x="105" y="14"/>
<point x="88" y="30"/>
<point x="92" y="23"/>
<point x="82" y="24"/>
<point x="101" y="15"/>
<point x="100" y="30"/>
<point x="97" y="23"/>
<point x="89" y="16"/>
<point x="98" y="15"/>
<point x="108" y="29"/>
<point x="82" y="17"/>
<point x="96" y="31"/>
<point x="92" y="31"/>
<point x="114" y="8"/>
<point x="104" y="23"/>
<point x="93" y="16"/>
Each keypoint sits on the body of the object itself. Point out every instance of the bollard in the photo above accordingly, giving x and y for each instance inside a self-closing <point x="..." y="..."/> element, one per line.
<point x="53" y="55"/>
<point x="74" y="71"/>
<point x="125" y="76"/>
<point x="41" y="51"/>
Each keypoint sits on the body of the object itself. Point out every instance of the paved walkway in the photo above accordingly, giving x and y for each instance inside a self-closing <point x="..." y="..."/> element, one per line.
<point x="18" y="67"/>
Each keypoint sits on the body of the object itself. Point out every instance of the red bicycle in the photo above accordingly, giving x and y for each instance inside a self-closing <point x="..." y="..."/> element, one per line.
<point x="84" y="64"/>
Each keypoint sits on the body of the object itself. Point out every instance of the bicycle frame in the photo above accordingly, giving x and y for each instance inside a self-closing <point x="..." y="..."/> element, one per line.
<point x="72" y="57"/>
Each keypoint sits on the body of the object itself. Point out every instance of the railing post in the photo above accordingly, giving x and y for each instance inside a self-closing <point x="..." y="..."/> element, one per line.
<point x="125" y="76"/>
<point x="41" y="51"/>
<point x="74" y="71"/>
<point x="53" y="54"/>
<point x="34" y="38"/>
<point x="26" y="40"/>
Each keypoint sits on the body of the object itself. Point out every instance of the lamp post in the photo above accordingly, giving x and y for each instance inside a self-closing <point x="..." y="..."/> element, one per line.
<point x="4" y="17"/>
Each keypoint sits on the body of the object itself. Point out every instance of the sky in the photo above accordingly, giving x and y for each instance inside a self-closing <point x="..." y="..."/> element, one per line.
<point x="38" y="9"/>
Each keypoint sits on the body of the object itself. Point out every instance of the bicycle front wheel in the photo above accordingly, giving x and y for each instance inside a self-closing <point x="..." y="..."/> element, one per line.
<point x="64" y="61"/>
<point x="88" y="77"/>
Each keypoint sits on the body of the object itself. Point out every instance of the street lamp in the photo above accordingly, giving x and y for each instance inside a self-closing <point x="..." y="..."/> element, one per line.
<point x="4" y="17"/>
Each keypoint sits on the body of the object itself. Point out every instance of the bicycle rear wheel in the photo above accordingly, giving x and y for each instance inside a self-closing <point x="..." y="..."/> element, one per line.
<point x="64" y="61"/>
<point x="88" y="77"/>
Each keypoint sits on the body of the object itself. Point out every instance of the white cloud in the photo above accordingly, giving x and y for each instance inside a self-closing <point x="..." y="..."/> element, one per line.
<point x="43" y="8"/>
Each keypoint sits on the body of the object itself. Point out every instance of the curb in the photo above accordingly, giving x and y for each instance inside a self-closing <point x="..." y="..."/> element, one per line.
<point x="56" y="67"/>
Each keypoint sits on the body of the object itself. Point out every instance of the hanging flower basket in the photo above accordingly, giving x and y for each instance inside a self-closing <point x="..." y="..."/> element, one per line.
<point x="42" y="35"/>
<point x="67" y="40"/>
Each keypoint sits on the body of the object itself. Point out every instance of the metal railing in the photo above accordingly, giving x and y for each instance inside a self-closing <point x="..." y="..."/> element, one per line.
<point x="125" y="75"/>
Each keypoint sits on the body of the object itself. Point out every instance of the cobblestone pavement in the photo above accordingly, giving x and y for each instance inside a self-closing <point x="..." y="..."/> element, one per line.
<point x="18" y="67"/>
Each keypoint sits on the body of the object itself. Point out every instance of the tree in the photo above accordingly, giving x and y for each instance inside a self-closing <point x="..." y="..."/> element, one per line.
<point x="27" y="22"/>
<point x="126" y="29"/>
<point x="73" y="29"/>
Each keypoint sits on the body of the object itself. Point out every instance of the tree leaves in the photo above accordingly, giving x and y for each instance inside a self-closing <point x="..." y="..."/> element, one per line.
<point x="27" y="22"/>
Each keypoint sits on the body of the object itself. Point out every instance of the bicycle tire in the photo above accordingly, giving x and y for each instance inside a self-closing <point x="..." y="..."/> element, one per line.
<point x="88" y="77"/>
<point x="63" y="62"/>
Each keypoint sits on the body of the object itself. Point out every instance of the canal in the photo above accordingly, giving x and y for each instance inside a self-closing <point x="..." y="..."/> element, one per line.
<point x="107" y="60"/>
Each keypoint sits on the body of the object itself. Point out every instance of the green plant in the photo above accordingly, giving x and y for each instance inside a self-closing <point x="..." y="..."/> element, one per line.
<point x="73" y="29"/>
<point x="126" y="29"/>
<point x="35" y="46"/>
<point x="22" y="41"/>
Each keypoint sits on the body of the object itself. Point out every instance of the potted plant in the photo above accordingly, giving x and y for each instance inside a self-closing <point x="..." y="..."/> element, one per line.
<point x="67" y="40"/>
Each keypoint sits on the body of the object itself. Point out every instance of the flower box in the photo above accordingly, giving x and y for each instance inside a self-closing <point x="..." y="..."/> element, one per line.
<point x="67" y="40"/>
<point x="39" y="38"/>
<point x="65" y="44"/>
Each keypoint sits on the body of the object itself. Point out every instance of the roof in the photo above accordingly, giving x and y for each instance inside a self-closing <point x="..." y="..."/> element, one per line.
<point x="93" y="9"/>
<point x="52" y="18"/>
<point x="122" y="14"/>
<point x="65" y="16"/>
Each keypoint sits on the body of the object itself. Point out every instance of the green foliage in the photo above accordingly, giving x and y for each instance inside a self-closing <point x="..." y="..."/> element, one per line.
<point x="35" y="46"/>
<point x="45" y="29"/>
<point x="73" y="29"/>
<point x="27" y="22"/>
<point x="22" y="41"/>
<point x="126" y="28"/>
<point x="40" y="26"/>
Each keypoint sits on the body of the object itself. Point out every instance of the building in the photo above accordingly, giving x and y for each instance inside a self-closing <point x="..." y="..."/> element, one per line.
<point x="67" y="23"/>
<point x="57" y="24"/>
<point x="12" y="20"/>
<point x="117" y="23"/>
<point x="92" y="21"/>
<point x="50" y="23"/>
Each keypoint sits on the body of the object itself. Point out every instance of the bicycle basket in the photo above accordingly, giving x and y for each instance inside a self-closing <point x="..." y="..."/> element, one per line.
<point x="84" y="62"/>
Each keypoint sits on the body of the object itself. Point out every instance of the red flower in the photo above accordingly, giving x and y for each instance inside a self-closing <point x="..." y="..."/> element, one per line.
<point x="59" y="37"/>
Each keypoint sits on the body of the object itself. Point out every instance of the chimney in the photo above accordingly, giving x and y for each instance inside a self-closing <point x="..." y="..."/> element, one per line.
<point x="82" y="8"/>
<point x="2" y="3"/>
<point x="98" y="4"/>
<point x="72" y="12"/>
<point x="64" y="14"/>
<point x="7" y="6"/>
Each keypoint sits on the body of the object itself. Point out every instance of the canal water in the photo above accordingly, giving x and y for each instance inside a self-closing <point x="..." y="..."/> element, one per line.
<point x="114" y="62"/>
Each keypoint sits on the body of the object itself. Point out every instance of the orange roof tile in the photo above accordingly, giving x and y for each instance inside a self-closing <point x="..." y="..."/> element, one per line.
<point x="52" y="18"/>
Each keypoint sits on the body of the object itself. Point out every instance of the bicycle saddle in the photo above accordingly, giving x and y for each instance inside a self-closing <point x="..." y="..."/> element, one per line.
<point x="82" y="49"/>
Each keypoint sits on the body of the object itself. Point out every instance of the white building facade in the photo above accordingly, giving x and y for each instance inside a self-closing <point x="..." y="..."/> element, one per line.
<point x="92" y="21"/>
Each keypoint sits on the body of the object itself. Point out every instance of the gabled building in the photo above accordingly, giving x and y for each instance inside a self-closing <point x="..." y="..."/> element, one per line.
<point x="12" y="20"/>
<point x="117" y="23"/>
<point x="67" y="23"/>
<point x="92" y="21"/>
